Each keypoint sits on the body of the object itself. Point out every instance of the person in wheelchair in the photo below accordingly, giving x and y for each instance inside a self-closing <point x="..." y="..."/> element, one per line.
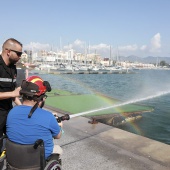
<point x="28" y="122"/>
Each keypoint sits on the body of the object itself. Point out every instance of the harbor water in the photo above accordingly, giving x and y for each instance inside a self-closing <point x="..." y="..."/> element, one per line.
<point x="127" y="87"/>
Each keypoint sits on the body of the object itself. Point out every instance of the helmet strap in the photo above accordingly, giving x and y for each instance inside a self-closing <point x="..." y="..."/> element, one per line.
<point x="42" y="104"/>
<point x="38" y="99"/>
<point x="33" y="109"/>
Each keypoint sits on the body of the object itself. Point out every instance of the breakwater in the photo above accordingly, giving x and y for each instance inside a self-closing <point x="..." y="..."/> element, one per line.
<point x="80" y="72"/>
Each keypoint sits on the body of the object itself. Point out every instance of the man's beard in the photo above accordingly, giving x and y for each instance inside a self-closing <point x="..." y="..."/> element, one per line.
<point x="12" y="61"/>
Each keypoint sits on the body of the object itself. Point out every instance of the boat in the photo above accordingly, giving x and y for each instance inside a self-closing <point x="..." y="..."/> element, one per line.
<point x="95" y="68"/>
<point x="83" y="68"/>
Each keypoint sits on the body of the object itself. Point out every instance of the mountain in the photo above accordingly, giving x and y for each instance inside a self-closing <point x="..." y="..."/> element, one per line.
<point x="149" y="59"/>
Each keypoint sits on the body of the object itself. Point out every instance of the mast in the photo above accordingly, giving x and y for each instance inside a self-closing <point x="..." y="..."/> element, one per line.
<point x="110" y="59"/>
<point x="85" y="54"/>
<point x="60" y="44"/>
<point x="117" y="56"/>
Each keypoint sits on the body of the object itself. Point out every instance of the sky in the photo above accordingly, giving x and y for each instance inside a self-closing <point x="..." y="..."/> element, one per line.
<point x="105" y="27"/>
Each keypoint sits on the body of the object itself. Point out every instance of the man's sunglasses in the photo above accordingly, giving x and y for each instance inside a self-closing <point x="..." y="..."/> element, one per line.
<point x="17" y="52"/>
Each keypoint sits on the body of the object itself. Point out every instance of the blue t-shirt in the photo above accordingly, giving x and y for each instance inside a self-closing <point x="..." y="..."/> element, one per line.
<point x="23" y="130"/>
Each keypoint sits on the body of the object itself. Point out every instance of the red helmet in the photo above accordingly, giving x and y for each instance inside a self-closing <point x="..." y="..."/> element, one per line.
<point x="34" y="85"/>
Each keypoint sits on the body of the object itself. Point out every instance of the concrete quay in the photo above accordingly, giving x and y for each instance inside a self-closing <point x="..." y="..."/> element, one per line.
<point x="99" y="147"/>
<point x="91" y="72"/>
<point x="81" y="72"/>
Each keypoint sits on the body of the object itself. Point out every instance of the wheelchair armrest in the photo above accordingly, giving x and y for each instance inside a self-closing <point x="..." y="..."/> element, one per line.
<point x="53" y="156"/>
<point x="37" y="143"/>
<point x="3" y="137"/>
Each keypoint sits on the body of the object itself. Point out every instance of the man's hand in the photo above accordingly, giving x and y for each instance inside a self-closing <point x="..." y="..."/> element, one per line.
<point x="16" y="92"/>
<point x="60" y="124"/>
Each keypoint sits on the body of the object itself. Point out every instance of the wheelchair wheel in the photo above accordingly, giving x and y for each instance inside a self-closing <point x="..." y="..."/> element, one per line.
<point x="53" y="165"/>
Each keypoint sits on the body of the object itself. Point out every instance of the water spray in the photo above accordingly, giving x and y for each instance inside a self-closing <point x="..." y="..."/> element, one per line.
<point x="67" y="116"/>
<point x="121" y="104"/>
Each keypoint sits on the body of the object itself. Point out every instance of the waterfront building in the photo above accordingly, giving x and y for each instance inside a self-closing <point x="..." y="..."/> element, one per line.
<point x="71" y="57"/>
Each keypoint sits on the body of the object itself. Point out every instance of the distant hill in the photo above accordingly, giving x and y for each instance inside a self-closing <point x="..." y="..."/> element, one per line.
<point x="149" y="59"/>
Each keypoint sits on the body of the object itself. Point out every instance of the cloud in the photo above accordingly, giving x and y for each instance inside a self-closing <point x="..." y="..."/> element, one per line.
<point x="155" y="43"/>
<point x="153" y="47"/>
<point x="80" y="46"/>
<point x="133" y="47"/>
<point x="77" y="45"/>
<point x="37" y="46"/>
<point x="103" y="49"/>
<point x="100" y="48"/>
<point x="143" y="47"/>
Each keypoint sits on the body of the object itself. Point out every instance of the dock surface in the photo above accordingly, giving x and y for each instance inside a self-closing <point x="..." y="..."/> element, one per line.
<point x="99" y="147"/>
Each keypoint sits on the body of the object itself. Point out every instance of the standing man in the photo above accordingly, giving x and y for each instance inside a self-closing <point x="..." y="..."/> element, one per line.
<point x="11" y="53"/>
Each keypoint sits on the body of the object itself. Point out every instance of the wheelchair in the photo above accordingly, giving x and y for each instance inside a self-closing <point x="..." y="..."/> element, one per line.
<point x="28" y="157"/>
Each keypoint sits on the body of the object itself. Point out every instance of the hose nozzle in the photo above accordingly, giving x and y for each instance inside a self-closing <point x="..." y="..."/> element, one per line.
<point x="62" y="118"/>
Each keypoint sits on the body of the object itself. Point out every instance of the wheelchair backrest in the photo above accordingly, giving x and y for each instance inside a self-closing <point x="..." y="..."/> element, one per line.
<point x="25" y="156"/>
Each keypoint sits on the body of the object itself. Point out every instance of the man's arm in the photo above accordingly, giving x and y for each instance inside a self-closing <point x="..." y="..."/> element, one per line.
<point x="55" y="127"/>
<point x="58" y="136"/>
<point x="17" y="101"/>
<point x="12" y="94"/>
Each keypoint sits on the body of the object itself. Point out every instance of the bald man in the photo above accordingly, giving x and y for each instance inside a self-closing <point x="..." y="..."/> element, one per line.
<point x="11" y="53"/>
